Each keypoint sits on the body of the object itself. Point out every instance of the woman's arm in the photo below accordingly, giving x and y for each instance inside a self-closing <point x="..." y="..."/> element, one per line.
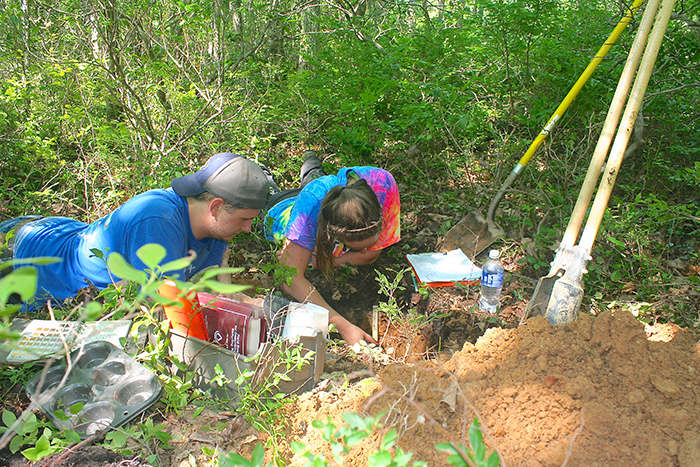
<point x="302" y="290"/>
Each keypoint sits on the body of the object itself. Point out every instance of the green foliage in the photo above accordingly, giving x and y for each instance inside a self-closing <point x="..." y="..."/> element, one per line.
<point x="236" y="460"/>
<point x="343" y="438"/>
<point x="21" y="281"/>
<point x="12" y="376"/>
<point x="447" y="99"/>
<point x="388" y="454"/>
<point x="149" y="437"/>
<point x="281" y="273"/>
<point x="452" y="96"/>
<point x="260" y="400"/>
<point x="139" y="294"/>
<point x="409" y="322"/>
<point x="151" y="254"/>
<point x="390" y="287"/>
<point x="627" y="262"/>
<point x="43" y="438"/>
<point x="474" y="455"/>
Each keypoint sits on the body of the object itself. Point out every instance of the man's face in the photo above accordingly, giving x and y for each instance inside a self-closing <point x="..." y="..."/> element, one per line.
<point x="229" y="223"/>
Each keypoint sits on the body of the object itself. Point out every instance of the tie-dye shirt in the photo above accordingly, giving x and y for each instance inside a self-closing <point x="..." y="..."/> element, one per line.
<point x="296" y="219"/>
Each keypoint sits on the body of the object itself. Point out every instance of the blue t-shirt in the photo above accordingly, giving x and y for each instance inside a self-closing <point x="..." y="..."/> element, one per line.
<point x="156" y="216"/>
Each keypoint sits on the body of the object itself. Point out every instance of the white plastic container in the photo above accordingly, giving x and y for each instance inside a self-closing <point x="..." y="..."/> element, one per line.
<point x="305" y="319"/>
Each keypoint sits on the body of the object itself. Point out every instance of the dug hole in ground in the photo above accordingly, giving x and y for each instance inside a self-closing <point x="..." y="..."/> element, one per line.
<point x="601" y="391"/>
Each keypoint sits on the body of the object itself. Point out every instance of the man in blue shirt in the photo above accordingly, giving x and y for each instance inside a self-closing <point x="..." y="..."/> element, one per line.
<point x="199" y="214"/>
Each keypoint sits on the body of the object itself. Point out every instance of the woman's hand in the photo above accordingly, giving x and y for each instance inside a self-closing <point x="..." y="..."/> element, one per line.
<point x="350" y="333"/>
<point x="301" y="289"/>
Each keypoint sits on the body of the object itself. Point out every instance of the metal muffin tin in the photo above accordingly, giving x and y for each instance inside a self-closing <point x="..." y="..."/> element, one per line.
<point x="104" y="389"/>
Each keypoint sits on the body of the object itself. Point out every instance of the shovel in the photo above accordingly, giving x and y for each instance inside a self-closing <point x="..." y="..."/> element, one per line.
<point x="558" y="295"/>
<point x="474" y="233"/>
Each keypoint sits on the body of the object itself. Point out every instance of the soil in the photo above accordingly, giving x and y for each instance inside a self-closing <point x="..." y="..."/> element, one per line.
<point x="604" y="390"/>
<point x="597" y="392"/>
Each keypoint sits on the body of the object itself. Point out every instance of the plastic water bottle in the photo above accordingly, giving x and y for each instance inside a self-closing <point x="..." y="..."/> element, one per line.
<point x="492" y="273"/>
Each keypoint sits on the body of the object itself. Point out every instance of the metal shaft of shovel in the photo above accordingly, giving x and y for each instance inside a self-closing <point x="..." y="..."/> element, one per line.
<point x="474" y="234"/>
<point x="564" y="254"/>
<point x="567" y="292"/>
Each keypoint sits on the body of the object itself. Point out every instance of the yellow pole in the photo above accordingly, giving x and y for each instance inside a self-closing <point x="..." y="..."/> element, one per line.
<point x="581" y="81"/>
<point x="515" y="173"/>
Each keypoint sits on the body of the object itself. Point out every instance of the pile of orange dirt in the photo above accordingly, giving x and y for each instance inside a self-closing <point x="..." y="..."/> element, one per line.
<point x="598" y="392"/>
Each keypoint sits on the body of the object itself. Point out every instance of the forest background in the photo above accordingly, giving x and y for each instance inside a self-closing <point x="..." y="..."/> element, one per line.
<point x="101" y="100"/>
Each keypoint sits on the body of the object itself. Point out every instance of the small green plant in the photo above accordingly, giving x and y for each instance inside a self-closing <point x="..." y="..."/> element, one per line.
<point x="390" y="288"/>
<point x="342" y="440"/>
<point x="281" y="273"/>
<point x="409" y="322"/>
<point x="474" y="455"/>
<point x="12" y="376"/>
<point x="149" y="437"/>
<point x="179" y="391"/>
<point x="22" y="283"/>
<point x="220" y="380"/>
<point x="464" y="287"/>
<point x="41" y="435"/>
<point x="236" y="460"/>
<point x="260" y="399"/>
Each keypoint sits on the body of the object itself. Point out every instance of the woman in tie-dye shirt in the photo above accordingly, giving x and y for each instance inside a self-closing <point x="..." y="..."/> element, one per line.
<point x="336" y="219"/>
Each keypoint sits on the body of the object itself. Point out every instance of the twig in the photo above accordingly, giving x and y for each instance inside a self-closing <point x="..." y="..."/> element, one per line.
<point x="666" y="91"/>
<point x="401" y="419"/>
<point x="387" y="390"/>
<point x="60" y="460"/>
<point x="573" y="439"/>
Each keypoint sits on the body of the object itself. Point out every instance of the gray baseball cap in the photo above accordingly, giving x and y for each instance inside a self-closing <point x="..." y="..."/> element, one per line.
<point x="231" y="177"/>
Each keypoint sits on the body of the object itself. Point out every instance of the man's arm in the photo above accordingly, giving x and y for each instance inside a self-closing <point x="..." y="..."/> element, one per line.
<point x="177" y="243"/>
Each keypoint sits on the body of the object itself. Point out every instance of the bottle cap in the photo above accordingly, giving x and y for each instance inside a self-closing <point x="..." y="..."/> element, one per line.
<point x="493" y="254"/>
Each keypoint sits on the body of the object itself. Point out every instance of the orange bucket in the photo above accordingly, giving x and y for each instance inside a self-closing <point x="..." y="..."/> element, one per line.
<point x="186" y="317"/>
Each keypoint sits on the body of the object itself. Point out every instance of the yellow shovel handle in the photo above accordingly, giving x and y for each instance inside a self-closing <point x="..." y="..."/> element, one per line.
<point x="581" y="81"/>
<point x="519" y="167"/>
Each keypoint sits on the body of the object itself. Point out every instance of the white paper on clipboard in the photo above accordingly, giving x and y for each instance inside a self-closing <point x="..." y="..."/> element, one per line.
<point x="452" y="266"/>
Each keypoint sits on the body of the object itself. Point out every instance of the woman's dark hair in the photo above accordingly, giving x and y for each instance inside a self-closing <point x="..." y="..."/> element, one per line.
<point x="349" y="213"/>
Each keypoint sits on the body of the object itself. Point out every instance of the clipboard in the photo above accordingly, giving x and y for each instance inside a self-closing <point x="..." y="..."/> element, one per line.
<point x="438" y="269"/>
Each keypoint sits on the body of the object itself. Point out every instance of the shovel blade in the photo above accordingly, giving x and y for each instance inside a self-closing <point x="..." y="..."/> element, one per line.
<point x="537" y="306"/>
<point x="556" y="298"/>
<point x="564" y="303"/>
<point x="472" y="235"/>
